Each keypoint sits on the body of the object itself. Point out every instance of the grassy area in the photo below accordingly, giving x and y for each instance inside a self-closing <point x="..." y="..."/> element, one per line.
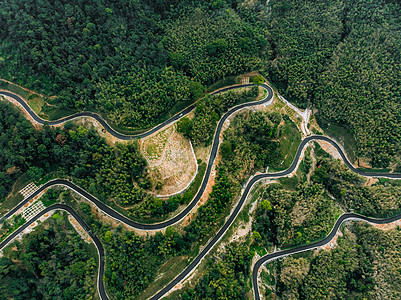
<point x="48" y="201"/>
<point x="375" y="170"/>
<point x="289" y="183"/>
<point x="192" y="190"/>
<point x="289" y="142"/>
<point x="165" y="275"/>
<point x="37" y="103"/>
<point x="155" y="145"/>
<point x="15" y="197"/>
<point x="15" y="89"/>
<point x="9" y="226"/>
<point x="54" y="113"/>
<point x="341" y="135"/>
<point x="151" y="149"/>
<point x="267" y="278"/>
<point x="264" y="94"/>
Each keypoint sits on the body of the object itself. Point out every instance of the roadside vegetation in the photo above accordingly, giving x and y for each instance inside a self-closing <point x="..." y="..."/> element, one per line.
<point x="51" y="262"/>
<point x="10" y="225"/>
<point x="116" y="175"/>
<point x="200" y="130"/>
<point x="134" y="62"/>
<point x="341" y="57"/>
<point x="362" y="266"/>
<point x="137" y="62"/>
<point x="296" y="211"/>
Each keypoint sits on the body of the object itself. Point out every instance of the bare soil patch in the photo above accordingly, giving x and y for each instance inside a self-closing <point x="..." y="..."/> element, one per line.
<point x="171" y="160"/>
<point x="89" y="122"/>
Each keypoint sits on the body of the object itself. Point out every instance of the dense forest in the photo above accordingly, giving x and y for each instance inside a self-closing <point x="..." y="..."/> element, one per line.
<point x="301" y="210"/>
<point x="132" y="261"/>
<point x="363" y="266"/>
<point x="135" y="61"/>
<point x="343" y="57"/>
<point x="53" y="262"/>
<point x="131" y="60"/>
<point x="114" y="174"/>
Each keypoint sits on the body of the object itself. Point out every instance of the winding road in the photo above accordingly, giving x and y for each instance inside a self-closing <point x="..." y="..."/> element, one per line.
<point x="73" y="213"/>
<point x="107" y="127"/>
<point x="327" y="239"/>
<point x="114" y="214"/>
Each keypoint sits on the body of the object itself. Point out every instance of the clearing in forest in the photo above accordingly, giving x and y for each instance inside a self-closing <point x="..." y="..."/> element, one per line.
<point x="171" y="160"/>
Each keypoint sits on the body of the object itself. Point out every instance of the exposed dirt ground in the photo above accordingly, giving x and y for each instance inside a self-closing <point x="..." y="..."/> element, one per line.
<point x="88" y="122"/>
<point x="370" y="181"/>
<point x="329" y="148"/>
<point x="171" y="159"/>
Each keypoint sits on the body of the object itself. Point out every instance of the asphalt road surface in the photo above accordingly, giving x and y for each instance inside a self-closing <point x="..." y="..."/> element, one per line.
<point x="107" y="127"/>
<point x="114" y="214"/>
<point x="179" y="217"/>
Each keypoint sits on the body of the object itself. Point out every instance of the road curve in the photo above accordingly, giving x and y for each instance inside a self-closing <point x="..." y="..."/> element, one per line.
<point x="327" y="239"/>
<point x="96" y="241"/>
<point x="114" y="214"/>
<point x="106" y="126"/>
<point x="179" y="217"/>
<point x="245" y="193"/>
<point x="219" y="234"/>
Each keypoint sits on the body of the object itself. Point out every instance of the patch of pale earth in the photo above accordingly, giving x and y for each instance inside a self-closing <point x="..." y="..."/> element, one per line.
<point x="202" y="153"/>
<point x="305" y="115"/>
<point x="78" y="228"/>
<point x="313" y="165"/>
<point x="88" y="122"/>
<point x="370" y="181"/>
<point x="329" y="148"/>
<point x="243" y="228"/>
<point x="389" y="226"/>
<point x="177" y="287"/>
<point x="153" y="146"/>
<point x="172" y="160"/>
<point x="299" y="214"/>
<point x="363" y="162"/>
